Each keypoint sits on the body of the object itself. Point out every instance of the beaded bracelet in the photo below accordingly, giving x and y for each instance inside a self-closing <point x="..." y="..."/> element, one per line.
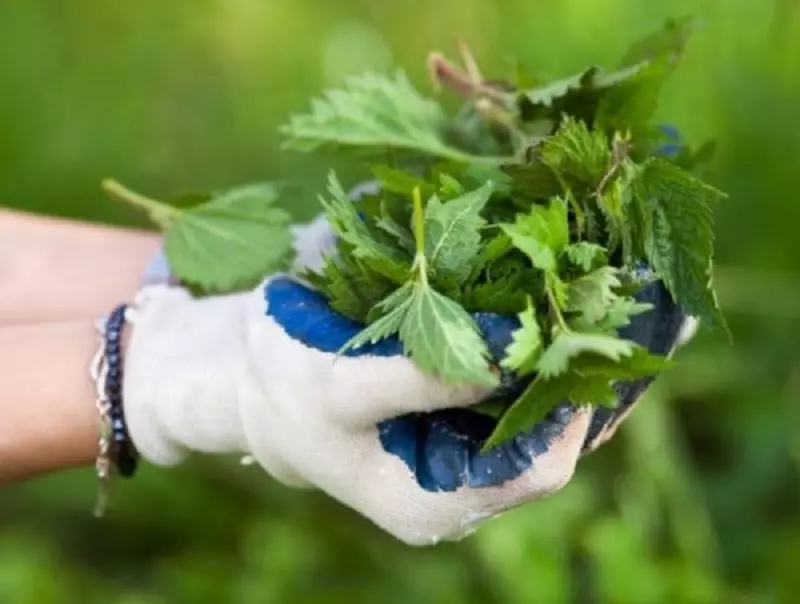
<point x="116" y="452"/>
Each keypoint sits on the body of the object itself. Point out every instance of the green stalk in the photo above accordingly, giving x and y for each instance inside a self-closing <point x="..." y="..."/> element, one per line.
<point x="551" y="298"/>
<point x="419" y="235"/>
<point x="159" y="212"/>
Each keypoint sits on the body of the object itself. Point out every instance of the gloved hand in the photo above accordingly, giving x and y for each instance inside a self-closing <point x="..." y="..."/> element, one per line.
<point x="256" y="373"/>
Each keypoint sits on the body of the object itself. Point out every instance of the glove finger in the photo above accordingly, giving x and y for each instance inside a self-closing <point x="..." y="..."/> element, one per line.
<point x="423" y="515"/>
<point x="660" y="331"/>
<point x="375" y="381"/>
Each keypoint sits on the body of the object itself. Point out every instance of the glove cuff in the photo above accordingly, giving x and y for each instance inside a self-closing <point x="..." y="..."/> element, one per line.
<point x="185" y="373"/>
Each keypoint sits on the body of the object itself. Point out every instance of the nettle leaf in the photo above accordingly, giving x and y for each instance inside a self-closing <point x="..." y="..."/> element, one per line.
<point x="229" y="242"/>
<point x="351" y="287"/>
<point x="595" y="390"/>
<point x="586" y="255"/>
<point x="394" y="311"/>
<point x="578" y="96"/>
<point x="611" y="204"/>
<point x="526" y="347"/>
<point x="531" y="407"/>
<point x="541" y="234"/>
<point x="631" y="104"/>
<point x="617" y="100"/>
<point x="475" y="174"/>
<point x="449" y="187"/>
<point x="437" y="333"/>
<point x="375" y="112"/>
<point x="504" y="296"/>
<point x="388" y="224"/>
<point x="535" y="180"/>
<point x="452" y="232"/>
<point x="570" y="344"/>
<point x="639" y="364"/>
<point x="577" y="152"/>
<point x="680" y="243"/>
<point x="669" y="42"/>
<point x="589" y="380"/>
<point x="592" y="294"/>
<point x="636" y="217"/>
<point x="348" y="225"/>
<point x="443" y="339"/>
<point x="401" y="182"/>
<point x="617" y="315"/>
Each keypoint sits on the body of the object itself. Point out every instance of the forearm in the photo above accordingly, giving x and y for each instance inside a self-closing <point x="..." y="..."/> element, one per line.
<point x="47" y="415"/>
<point x="58" y="270"/>
<point x="56" y="279"/>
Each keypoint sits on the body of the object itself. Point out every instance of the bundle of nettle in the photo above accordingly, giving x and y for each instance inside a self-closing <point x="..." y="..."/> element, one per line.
<point x="555" y="203"/>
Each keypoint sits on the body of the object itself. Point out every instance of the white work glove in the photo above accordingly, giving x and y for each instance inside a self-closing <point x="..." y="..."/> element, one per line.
<point x="257" y="374"/>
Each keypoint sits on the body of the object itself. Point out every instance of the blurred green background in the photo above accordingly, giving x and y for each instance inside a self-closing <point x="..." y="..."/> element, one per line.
<point x="697" y="498"/>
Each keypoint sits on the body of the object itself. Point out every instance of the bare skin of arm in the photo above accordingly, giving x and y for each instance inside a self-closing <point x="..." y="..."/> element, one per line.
<point x="56" y="279"/>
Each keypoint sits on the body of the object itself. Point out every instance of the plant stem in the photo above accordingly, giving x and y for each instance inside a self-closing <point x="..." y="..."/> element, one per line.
<point x="551" y="298"/>
<point x="419" y="235"/>
<point x="159" y="212"/>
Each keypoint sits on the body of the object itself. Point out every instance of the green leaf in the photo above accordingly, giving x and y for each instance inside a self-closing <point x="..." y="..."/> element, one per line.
<point x="557" y="289"/>
<point x="595" y="390"/>
<point x="586" y="255"/>
<point x="636" y="215"/>
<point x="589" y="380"/>
<point x="350" y="228"/>
<point x="669" y="42"/>
<point x="617" y="315"/>
<point x="541" y="234"/>
<point x="351" y="287"/>
<point x="534" y="180"/>
<point x="490" y="252"/>
<point x="577" y="152"/>
<point x="638" y="365"/>
<point x="449" y="187"/>
<point x="442" y="339"/>
<point x="401" y="182"/>
<point x="475" y="174"/>
<point x="394" y="310"/>
<point x="375" y="112"/>
<point x="630" y="105"/>
<point x="532" y="406"/>
<point x="568" y="345"/>
<point x="230" y="242"/>
<point x="592" y="294"/>
<point x="437" y="333"/>
<point x="680" y="243"/>
<point x="526" y="347"/>
<point x="504" y="296"/>
<point x="452" y="232"/>
<point x="389" y="225"/>
<point x="579" y="96"/>
<point x="610" y="203"/>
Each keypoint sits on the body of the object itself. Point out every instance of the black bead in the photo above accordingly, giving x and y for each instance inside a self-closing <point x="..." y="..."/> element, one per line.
<point x="126" y="465"/>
